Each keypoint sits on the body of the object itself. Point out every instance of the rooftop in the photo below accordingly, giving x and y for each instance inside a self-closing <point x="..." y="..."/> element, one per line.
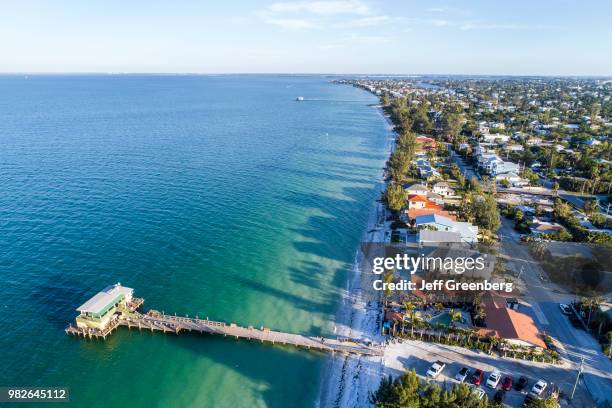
<point x="103" y="300"/>
<point x="439" y="236"/>
<point x="510" y="324"/>
<point x="415" y="197"/>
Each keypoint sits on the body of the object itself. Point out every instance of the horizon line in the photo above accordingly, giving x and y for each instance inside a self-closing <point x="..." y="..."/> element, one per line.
<point x="152" y="73"/>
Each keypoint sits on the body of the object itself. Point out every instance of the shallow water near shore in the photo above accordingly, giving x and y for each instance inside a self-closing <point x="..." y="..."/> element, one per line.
<point x="219" y="196"/>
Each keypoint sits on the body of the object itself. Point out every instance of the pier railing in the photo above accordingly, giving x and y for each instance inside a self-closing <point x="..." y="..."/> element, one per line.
<point x="156" y="321"/>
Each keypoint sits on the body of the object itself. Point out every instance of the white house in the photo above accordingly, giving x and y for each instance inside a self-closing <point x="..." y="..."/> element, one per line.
<point x="495" y="138"/>
<point x="417" y="189"/>
<point x="443" y="189"/>
<point x="430" y="237"/>
<point x="513" y="178"/>
<point x="435" y="198"/>
<point x="515" y="148"/>
<point x="467" y="231"/>
<point x="492" y="164"/>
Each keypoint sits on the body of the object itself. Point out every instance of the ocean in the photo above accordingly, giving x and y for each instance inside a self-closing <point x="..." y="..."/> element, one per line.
<point x="218" y="196"/>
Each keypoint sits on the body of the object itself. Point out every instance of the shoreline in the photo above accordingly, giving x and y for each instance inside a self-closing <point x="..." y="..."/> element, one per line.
<point x="348" y="380"/>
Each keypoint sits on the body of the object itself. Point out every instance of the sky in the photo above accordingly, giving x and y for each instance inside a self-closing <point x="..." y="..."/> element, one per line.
<point x="536" y="37"/>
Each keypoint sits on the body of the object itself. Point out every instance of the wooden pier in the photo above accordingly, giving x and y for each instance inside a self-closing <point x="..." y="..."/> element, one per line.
<point x="155" y="321"/>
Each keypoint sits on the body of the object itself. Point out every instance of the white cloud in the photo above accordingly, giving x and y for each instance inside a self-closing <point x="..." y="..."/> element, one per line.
<point x="428" y="22"/>
<point x="365" y="22"/>
<point x="368" y="39"/>
<point x="323" y="8"/>
<point x="291" y="23"/>
<point x="471" y="26"/>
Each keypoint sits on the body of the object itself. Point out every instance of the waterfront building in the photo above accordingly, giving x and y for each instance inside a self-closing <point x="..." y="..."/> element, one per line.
<point x="102" y="309"/>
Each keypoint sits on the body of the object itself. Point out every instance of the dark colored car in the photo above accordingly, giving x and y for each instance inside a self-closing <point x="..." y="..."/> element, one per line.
<point x="528" y="400"/>
<point x="477" y="377"/>
<point x="521" y="383"/>
<point x="507" y="383"/>
<point x="499" y="396"/>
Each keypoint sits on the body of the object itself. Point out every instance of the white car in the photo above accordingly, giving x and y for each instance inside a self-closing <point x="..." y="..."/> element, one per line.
<point x="493" y="379"/>
<point x="435" y="369"/>
<point x="478" y="392"/>
<point x="565" y="309"/>
<point x="539" y="387"/>
<point x="462" y="374"/>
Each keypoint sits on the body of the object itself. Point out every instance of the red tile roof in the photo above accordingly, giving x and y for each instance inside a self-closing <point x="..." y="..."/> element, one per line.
<point x="509" y="323"/>
<point x="415" y="212"/>
<point x="415" y="197"/>
<point x="433" y="206"/>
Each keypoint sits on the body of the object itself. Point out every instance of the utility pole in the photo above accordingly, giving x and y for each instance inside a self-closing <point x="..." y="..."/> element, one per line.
<point x="577" y="377"/>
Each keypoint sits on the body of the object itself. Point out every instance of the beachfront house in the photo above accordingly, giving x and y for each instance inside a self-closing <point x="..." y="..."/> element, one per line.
<point x="425" y="143"/>
<point x="467" y="231"/>
<point x="417" y="189"/>
<point x="417" y="201"/>
<point x="435" y="237"/>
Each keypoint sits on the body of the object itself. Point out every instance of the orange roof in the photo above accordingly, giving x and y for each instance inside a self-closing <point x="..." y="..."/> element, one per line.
<point x="509" y="323"/>
<point x="433" y="206"/>
<point x="424" y="139"/>
<point x="415" y="197"/>
<point x="391" y="315"/>
<point x="415" y="212"/>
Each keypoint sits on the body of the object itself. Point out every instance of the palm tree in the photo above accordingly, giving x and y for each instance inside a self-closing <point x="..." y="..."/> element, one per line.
<point x="455" y="315"/>
<point x="503" y="343"/>
<point x="593" y="302"/>
<point x="410" y="312"/>
<point x="480" y="313"/>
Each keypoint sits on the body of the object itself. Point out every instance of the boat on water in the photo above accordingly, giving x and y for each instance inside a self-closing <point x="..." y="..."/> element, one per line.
<point x="299" y="98"/>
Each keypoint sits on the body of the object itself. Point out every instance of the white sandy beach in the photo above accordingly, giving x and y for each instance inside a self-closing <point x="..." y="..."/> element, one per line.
<point x="349" y="380"/>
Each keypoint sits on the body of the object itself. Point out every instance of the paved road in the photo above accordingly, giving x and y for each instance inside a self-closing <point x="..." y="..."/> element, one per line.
<point x="467" y="170"/>
<point x="544" y="298"/>
<point x="420" y="355"/>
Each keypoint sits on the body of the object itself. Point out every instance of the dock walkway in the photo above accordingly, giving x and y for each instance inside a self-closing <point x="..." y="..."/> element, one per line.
<point x="155" y="321"/>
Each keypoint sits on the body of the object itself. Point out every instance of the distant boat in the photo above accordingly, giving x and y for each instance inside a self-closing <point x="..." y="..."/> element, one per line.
<point x="299" y="98"/>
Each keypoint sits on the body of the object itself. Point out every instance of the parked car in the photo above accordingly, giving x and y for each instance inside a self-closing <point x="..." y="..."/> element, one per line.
<point x="499" y="396"/>
<point x="478" y="392"/>
<point x="565" y="309"/>
<point x="529" y="398"/>
<point x="539" y="387"/>
<point x="435" y="369"/>
<point x="507" y="383"/>
<point x="493" y="379"/>
<point x="521" y="383"/>
<point x="477" y="377"/>
<point x="462" y="374"/>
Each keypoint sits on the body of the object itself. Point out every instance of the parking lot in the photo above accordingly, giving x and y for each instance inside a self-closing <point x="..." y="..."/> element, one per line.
<point x="420" y="356"/>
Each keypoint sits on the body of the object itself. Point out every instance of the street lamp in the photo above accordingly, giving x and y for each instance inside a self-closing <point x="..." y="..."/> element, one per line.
<point x="577" y="377"/>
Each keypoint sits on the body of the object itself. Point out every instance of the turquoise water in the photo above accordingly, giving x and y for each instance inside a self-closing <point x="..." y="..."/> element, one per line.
<point x="443" y="318"/>
<point x="218" y="196"/>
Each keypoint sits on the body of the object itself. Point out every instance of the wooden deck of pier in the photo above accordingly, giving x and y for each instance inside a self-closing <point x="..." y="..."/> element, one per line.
<point x="155" y="321"/>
